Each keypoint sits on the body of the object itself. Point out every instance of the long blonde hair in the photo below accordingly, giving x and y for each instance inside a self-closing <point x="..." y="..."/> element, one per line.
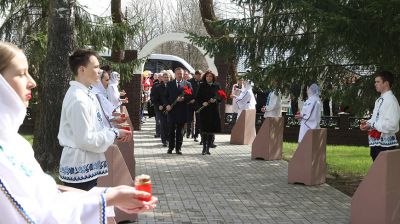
<point x="7" y="52"/>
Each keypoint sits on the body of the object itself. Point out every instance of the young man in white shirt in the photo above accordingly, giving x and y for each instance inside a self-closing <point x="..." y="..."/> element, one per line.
<point x="384" y="122"/>
<point x="82" y="132"/>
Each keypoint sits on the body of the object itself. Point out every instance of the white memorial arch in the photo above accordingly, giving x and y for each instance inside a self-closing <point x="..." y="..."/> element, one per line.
<point x="157" y="41"/>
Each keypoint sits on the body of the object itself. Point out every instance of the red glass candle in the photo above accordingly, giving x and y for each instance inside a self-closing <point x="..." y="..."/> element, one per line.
<point x="126" y="128"/>
<point x="143" y="183"/>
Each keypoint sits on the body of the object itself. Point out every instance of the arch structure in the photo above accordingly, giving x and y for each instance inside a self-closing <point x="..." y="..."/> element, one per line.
<point x="167" y="37"/>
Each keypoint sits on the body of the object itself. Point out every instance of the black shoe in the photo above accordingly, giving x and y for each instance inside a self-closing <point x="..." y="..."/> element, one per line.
<point x="187" y="136"/>
<point x="213" y="146"/>
<point x="196" y="140"/>
<point x="208" y="153"/>
<point x="169" y="151"/>
<point x="178" y="152"/>
<point x="164" y="144"/>
<point x="156" y="136"/>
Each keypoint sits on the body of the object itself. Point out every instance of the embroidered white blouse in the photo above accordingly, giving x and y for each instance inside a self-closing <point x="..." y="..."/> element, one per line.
<point x="273" y="105"/>
<point x="27" y="194"/>
<point x="83" y="136"/>
<point x="385" y="119"/>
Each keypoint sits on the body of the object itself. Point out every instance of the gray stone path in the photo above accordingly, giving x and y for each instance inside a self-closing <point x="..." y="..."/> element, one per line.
<point x="229" y="187"/>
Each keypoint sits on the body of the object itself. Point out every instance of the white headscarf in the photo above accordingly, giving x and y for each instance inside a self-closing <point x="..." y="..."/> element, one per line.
<point x="114" y="78"/>
<point x="112" y="90"/>
<point x="313" y="90"/>
<point x="12" y="110"/>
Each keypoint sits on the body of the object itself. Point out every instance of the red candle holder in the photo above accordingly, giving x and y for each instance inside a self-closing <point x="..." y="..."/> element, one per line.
<point x="143" y="183"/>
<point x="123" y="115"/>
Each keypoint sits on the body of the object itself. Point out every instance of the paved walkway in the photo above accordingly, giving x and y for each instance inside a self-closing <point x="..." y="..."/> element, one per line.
<point x="229" y="187"/>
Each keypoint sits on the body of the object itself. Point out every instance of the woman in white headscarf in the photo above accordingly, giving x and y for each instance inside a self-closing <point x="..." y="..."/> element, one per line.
<point x="27" y="194"/>
<point x="310" y="114"/>
<point x="246" y="99"/>
<point x="112" y="90"/>
<point x="100" y="89"/>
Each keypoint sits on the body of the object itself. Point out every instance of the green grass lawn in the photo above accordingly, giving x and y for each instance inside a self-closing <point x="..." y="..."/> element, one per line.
<point x="341" y="160"/>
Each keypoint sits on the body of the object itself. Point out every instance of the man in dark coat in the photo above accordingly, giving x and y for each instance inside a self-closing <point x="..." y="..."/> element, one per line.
<point x="157" y="94"/>
<point x="177" y="114"/>
<point x="195" y="81"/>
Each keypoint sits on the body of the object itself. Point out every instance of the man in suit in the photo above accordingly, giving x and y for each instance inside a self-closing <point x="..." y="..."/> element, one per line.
<point x="157" y="93"/>
<point x="177" y="114"/>
<point x="195" y="81"/>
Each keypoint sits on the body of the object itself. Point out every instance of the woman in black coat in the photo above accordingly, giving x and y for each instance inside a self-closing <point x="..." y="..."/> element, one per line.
<point x="209" y="115"/>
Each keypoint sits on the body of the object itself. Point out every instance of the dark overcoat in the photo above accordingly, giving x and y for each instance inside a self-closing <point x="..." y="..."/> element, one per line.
<point x="178" y="114"/>
<point x="209" y="116"/>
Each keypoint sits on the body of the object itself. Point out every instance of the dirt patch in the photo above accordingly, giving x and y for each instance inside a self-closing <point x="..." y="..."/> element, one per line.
<point x="345" y="184"/>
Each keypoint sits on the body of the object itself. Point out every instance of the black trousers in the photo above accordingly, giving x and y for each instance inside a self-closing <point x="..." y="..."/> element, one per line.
<point x="175" y="135"/>
<point x="197" y="126"/>
<point x="163" y="125"/>
<point x="86" y="186"/>
<point x="158" y="121"/>
<point x="375" y="150"/>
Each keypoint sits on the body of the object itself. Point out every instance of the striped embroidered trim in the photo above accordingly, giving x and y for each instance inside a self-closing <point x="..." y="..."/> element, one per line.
<point x="16" y="205"/>
<point x="102" y="209"/>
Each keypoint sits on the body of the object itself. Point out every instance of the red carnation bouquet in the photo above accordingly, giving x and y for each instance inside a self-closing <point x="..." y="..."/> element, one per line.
<point x="186" y="91"/>
<point x="220" y="95"/>
<point x="374" y="134"/>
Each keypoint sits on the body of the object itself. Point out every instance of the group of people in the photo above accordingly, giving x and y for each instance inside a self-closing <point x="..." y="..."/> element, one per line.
<point x="176" y="102"/>
<point x="381" y="127"/>
<point x="27" y="193"/>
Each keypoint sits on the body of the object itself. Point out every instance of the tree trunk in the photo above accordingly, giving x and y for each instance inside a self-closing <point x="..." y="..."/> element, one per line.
<point x="118" y="48"/>
<point x="56" y="82"/>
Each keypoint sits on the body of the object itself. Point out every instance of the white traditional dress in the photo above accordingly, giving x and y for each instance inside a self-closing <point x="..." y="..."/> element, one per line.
<point x="246" y="99"/>
<point x="311" y="111"/>
<point x="83" y="135"/>
<point x="27" y="194"/>
<point x="235" y="92"/>
<point x="273" y="106"/>
<point x="113" y="91"/>
<point x="385" y="119"/>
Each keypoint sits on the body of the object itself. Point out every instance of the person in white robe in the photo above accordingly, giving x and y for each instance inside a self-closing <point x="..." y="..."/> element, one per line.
<point x="384" y="122"/>
<point x="113" y="92"/>
<point x="27" y="193"/>
<point x="246" y="99"/>
<point x="100" y="90"/>
<point x="82" y="132"/>
<point x="310" y="114"/>
<point x="272" y="106"/>
<point x="235" y="93"/>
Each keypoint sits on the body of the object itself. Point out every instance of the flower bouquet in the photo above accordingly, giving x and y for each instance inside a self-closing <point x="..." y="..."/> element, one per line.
<point x="186" y="91"/>
<point x="220" y="95"/>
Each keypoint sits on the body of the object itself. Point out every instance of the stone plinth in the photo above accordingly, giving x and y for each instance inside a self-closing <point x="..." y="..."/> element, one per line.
<point x="308" y="164"/>
<point x="377" y="199"/>
<point x="268" y="143"/>
<point x="244" y="131"/>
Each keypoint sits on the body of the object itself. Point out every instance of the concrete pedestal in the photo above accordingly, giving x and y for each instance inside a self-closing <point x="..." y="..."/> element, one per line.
<point x="244" y="131"/>
<point x="268" y="143"/>
<point x="127" y="148"/>
<point x="308" y="164"/>
<point x="377" y="199"/>
<point x="118" y="174"/>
